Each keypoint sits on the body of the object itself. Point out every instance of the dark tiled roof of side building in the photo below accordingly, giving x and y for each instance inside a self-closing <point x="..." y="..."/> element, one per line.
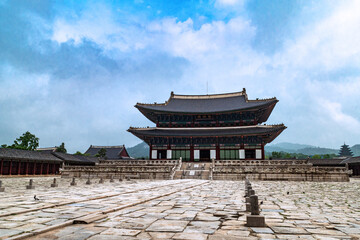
<point x="18" y="154"/>
<point x="327" y="162"/>
<point x="351" y="160"/>
<point x="112" y="152"/>
<point x="75" y="159"/>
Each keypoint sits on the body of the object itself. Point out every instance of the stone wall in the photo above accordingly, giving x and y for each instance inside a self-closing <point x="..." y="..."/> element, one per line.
<point x="283" y="170"/>
<point x="286" y="170"/>
<point x="136" y="169"/>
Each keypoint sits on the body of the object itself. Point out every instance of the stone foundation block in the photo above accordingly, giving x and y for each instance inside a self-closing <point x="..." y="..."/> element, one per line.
<point x="255" y="221"/>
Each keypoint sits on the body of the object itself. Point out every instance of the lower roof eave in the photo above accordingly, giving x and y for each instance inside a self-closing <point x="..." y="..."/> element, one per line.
<point x="273" y="130"/>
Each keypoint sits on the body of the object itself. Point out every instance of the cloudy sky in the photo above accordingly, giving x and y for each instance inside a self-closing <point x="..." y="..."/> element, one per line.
<point x="72" y="71"/>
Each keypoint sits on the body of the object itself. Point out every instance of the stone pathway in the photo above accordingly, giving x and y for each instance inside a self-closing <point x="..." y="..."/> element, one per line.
<point x="208" y="210"/>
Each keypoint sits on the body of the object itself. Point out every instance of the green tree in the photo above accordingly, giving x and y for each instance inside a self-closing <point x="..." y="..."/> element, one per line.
<point x="27" y="141"/>
<point x="78" y="153"/>
<point x="101" y="153"/>
<point x="61" y="148"/>
<point x="316" y="156"/>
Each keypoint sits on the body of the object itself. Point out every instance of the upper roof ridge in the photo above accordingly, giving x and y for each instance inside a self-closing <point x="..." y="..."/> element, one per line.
<point x="119" y="146"/>
<point x="207" y="96"/>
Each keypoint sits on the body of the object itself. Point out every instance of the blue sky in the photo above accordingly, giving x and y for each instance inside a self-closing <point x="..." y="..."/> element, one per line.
<point x="72" y="71"/>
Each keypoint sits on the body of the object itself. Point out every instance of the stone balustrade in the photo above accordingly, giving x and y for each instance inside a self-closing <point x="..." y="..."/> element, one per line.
<point x="288" y="170"/>
<point x="142" y="169"/>
<point x="138" y="162"/>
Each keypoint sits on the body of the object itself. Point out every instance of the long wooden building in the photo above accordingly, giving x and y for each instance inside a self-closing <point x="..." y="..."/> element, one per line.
<point x="203" y="127"/>
<point x="23" y="162"/>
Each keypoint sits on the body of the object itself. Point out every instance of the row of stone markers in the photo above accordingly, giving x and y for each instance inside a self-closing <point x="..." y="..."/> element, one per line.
<point x="252" y="206"/>
<point x="55" y="184"/>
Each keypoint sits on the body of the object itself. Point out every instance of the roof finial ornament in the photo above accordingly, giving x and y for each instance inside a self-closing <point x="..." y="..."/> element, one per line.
<point x="244" y="90"/>
<point x="172" y="93"/>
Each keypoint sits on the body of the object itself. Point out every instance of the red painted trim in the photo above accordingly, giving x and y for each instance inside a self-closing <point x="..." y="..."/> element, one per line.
<point x="1" y="166"/>
<point x="262" y="152"/>
<point x="19" y="168"/>
<point x="27" y="168"/>
<point x="47" y="168"/>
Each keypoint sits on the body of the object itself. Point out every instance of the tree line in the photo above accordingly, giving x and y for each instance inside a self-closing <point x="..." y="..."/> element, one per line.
<point x="286" y="155"/>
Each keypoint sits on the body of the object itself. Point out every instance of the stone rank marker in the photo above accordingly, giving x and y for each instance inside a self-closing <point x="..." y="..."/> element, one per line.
<point x="2" y="189"/>
<point x="101" y="180"/>
<point x="54" y="184"/>
<point x="112" y="178"/>
<point x="30" y="186"/>
<point x="255" y="220"/>
<point x="88" y="182"/>
<point x="73" y="183"/>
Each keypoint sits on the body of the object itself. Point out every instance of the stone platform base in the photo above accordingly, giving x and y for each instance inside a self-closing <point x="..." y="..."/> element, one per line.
<point x="255" y="221"/>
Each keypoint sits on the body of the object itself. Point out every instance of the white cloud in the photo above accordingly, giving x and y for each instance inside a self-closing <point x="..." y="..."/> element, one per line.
<point x="229" y="3"/>
<point x="329" y="44"/>
<point x="221" y="54"/>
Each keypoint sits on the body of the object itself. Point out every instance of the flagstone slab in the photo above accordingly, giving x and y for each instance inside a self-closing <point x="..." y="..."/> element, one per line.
<point x="167" y="226"/>
<point x="190" y="236"/>
<point x="120" y="232"/>
<point x="161" y="235"/>
<point x="289" y="230"/>
<point x="9" y="232"/>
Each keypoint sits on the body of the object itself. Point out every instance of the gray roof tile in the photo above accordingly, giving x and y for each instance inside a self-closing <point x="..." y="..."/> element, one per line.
<point x="8" y="153"/>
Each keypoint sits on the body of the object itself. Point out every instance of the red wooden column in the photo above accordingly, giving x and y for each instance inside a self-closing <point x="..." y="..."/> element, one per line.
<point x="10" y="168"/>
<point x="53" y="171"/>
<point x="27" y="168"/>
<point x="1" y="166"/>
<point x="41" y="168"/>
<point x="262" y="152"/>
<point x="18" y="172"/>
<point x="34" y="169"/>
<point x="47" y="168"/>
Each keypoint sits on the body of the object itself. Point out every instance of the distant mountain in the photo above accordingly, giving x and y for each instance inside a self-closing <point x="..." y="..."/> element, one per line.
<point x="140" y="150"/>
<point x="290" y="146"/>
<point x="300" y="148"/>
<point x="356" y="150"/>
<point x="317" y="150"/>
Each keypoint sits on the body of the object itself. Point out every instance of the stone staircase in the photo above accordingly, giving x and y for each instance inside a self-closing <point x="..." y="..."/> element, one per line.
<point x="193" y="170"/>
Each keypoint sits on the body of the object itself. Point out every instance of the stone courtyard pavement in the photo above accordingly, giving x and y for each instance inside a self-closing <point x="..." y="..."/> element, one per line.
<point x="177" y="209"/>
